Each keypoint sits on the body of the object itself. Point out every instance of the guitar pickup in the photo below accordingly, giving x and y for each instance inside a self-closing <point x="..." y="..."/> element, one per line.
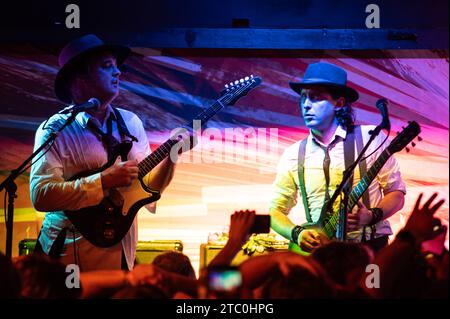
<point x="116" y="198"/>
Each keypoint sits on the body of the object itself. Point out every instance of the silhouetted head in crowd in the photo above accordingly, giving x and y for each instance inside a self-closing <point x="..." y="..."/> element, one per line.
<point x="9" y="279"/>
<point x="43" y="278"/>
<point x="175" y="262"/>
<point x="299" y="283"/>
<point x="344" y="262"/>
<point x="140" y="292"/>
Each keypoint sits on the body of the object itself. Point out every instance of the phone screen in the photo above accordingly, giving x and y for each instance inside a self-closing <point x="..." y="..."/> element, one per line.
<point x="261" y="225"/>
<point x="224" y="279"/>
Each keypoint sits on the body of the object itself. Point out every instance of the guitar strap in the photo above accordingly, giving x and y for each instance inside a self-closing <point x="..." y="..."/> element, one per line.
<point x="349" y="157"/>
<point x="122" y="127"/>
<point x="108" y="139"/>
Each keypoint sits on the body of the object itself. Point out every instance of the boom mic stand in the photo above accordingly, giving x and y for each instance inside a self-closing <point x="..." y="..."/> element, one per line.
<point x="344" y="187"/>
<point x="11" y="188"/>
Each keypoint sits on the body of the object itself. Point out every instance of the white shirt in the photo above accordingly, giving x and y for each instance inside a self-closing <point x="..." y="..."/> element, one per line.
<point x="78" y="149"/>
<point x="286" y="184"/>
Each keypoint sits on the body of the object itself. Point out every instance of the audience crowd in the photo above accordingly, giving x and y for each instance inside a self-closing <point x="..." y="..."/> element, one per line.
<point x="406" y="268"/>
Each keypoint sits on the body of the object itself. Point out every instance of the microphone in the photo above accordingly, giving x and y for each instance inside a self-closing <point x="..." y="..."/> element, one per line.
<point x="92" y="103"/>
<point x="382" y="106"/>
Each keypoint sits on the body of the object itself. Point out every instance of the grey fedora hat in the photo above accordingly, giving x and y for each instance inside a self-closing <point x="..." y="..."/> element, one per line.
<point x="325" y="74"/>
<point x="73" y="54"/>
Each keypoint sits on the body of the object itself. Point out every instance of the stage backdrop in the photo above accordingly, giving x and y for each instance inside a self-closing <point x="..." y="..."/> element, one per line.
<point x="234" y="164"/>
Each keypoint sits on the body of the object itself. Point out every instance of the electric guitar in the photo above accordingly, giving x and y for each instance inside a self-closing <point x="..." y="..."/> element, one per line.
<point x="105" y="224"/>
<point x="328" y="222"/>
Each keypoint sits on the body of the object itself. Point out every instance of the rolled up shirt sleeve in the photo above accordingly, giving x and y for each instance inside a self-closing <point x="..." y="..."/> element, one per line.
<point x="49" y="190"/>
<point x="284" y="188"/>
<point x="389" y="177"/>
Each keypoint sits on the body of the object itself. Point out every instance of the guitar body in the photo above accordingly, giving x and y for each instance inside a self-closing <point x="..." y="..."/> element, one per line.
<point x="105" y="224"/>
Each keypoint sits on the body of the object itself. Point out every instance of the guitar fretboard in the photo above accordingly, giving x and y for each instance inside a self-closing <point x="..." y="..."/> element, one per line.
<point x="331" y="225"/>
<point x="156" y="157"/>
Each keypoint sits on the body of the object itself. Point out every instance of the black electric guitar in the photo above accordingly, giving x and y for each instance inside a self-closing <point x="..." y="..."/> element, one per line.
<point x="105" y="224"/>
<point x="328" y="222"/>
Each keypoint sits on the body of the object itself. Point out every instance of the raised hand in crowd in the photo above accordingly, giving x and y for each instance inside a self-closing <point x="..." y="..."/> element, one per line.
<point x="240" y="224"/>
<point x="422" y="224"/>
<point x="402" y="266"/>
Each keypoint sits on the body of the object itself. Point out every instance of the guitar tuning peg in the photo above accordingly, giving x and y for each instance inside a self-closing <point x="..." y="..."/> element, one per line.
<point x="251" y="76"/>
<point x="226" y="86"/>
<point x="241" y="80"/>
<point x="407" y="150"/>
<point x="231" y="84"/>
<point x="236" y="82"/>
<point x="247" y="78"/>
<point x="419" y="138"/>
<point x="413" y="144"/>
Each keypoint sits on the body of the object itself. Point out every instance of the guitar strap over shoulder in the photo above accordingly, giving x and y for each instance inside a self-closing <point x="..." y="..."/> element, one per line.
<point x="122" y="126"/>
<point x="108" y="139"/>
<point x="301" y="178"/>
<point x="349" y="157"/>
<point x="362" y="164"/>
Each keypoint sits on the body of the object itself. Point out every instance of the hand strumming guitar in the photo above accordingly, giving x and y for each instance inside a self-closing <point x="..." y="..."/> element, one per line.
<point x="309" y="239"/>
<point x="120" y="174"/>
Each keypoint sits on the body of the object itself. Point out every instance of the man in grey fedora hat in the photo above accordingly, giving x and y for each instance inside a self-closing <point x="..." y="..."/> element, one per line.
<point x="313" y="168"/>
<point x="89" y="68"/>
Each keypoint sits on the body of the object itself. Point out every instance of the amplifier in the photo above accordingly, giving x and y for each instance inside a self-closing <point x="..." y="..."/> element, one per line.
<point x="26" y="246"/>
<point x="209" y="251"/>
<point x="146" y="251"/>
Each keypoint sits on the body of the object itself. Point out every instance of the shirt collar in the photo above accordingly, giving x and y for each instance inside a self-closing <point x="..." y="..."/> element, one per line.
<point x="340" y="133"/>
<point x="82" y="118"/>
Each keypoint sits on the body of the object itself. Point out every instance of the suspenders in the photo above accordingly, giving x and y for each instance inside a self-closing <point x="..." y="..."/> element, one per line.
<point x="349" y="157"/>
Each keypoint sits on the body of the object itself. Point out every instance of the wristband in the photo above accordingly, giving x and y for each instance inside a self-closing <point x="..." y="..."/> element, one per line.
<point x="377" y="215"/>
<point x="296" y="232"/>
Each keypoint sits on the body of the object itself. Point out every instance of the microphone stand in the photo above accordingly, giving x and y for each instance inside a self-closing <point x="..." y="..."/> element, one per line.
<point x="11" y="188"/>
<point x="344" y="188"/>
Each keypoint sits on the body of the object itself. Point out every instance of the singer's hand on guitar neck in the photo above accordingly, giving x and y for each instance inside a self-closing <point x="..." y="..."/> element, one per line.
<point x="119" y="174"/>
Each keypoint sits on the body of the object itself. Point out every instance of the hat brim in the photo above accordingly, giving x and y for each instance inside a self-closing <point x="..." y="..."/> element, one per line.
<point x="351" y="94"/>
<point x="61" y="85"/>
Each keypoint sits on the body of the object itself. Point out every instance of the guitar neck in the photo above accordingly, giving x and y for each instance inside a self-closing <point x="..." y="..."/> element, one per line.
<point x="156" y="157"/>
<point x="331" y="225"/>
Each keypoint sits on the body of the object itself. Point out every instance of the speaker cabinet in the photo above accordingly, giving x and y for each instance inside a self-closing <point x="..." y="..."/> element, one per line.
<point x="26" y="246"/>
<point x="146" y="251"/>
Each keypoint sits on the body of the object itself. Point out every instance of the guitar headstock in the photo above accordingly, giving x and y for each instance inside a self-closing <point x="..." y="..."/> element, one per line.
<point x="233" y="91"/>
<point x="406" y="136"/>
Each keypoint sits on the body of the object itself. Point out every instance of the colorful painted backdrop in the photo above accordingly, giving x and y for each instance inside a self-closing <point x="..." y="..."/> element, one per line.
<point x="228" y="172"/>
